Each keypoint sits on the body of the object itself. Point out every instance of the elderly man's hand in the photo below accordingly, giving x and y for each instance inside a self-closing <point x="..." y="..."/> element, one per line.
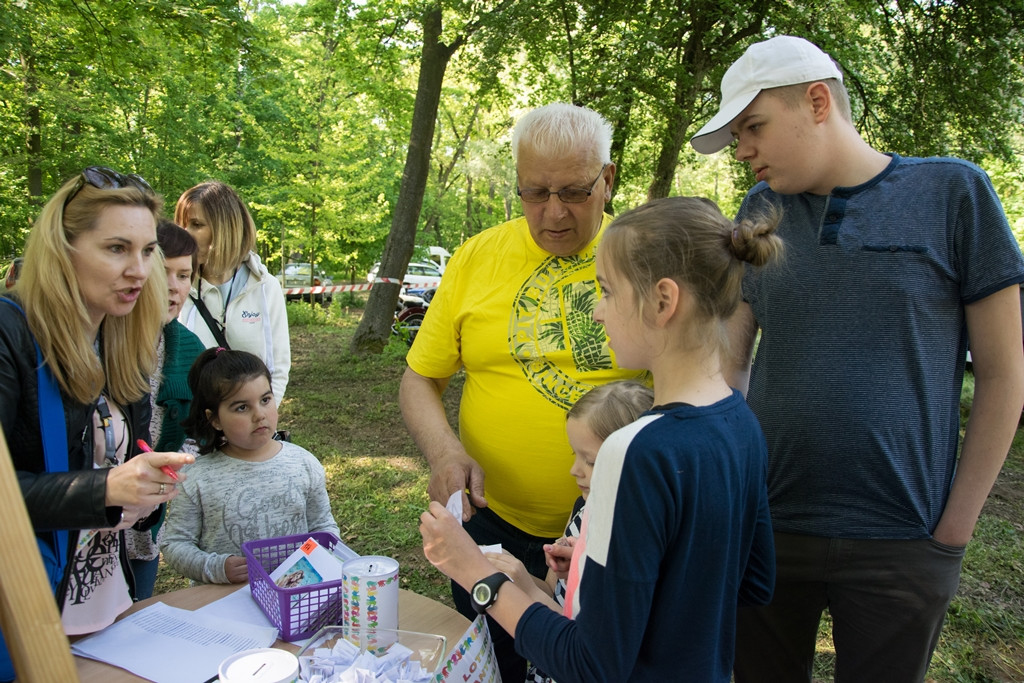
<point x="457" y="472"/>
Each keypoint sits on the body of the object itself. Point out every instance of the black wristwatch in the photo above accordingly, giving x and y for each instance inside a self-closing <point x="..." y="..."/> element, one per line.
<point x="485" y="591"/>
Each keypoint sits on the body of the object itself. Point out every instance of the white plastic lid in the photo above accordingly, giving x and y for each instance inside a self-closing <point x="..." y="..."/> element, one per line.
<point x="262" y="665"/>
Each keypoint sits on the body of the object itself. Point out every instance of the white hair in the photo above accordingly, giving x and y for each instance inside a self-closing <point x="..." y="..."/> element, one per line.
<point x="561" y="129"/>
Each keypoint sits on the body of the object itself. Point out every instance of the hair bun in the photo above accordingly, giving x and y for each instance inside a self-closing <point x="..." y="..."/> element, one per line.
<point x="754" y="240"/>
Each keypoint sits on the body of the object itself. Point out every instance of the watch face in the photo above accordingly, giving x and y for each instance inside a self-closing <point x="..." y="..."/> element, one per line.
<point x="481" y="593"/>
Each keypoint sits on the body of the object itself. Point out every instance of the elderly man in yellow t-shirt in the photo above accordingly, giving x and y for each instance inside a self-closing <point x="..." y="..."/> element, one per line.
<point x="515" y="310"/>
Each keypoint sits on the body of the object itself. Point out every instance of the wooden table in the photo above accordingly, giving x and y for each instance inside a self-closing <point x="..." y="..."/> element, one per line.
<point x="415" y="613"/>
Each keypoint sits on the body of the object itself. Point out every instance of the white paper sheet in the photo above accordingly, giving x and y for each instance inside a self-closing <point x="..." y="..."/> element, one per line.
<point x="240" y="606"/>
<point x="169" y="645"/>
<point x="237" y="606"/>
<point x="454" y="506"/>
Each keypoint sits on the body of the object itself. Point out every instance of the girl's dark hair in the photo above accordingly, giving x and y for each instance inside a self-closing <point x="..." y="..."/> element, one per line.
<point x="687" y="239"/>
<point x="216" y="374"/>
<point x="174" y="240"/>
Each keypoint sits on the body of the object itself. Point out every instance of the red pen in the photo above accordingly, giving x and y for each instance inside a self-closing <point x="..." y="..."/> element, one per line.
<point x="166" y="469"/>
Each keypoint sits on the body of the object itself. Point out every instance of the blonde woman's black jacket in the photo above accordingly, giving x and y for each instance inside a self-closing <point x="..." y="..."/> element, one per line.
<point x="72" y="500"/>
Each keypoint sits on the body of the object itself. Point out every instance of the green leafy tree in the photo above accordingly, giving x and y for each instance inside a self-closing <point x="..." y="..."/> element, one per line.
<point x="437" y="50"/>
<point x="355" y="130"/>
<point x="93" y="83"/>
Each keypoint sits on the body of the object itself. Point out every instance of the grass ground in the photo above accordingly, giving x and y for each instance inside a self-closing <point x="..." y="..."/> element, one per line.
<point x="345" y="411"/>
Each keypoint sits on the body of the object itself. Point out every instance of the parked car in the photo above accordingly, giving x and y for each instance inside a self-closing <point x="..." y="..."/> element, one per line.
<point x="12" y="273"/>
<point x="440" y="256"/>
<point x="417" y="274"/>
<point x="298" y="275"/>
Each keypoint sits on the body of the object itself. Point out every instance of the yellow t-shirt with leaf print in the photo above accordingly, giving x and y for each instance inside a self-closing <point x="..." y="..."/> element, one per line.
<point x="520" y="321"/>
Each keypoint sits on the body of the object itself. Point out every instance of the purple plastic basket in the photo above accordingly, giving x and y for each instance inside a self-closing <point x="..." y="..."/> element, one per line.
<point x="299" y="612"/>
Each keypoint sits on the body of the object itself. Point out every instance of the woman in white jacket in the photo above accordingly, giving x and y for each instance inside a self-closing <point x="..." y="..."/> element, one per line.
<point x="244" y="305"/>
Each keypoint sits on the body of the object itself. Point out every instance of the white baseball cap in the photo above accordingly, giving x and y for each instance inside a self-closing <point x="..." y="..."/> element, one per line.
<point x="783" y="60"/>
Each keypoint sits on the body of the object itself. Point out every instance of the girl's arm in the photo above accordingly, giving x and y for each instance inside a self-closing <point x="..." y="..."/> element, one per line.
<point x="550" y="582"/>
<point x="537" y="589"/>
<point x="318" y="503"/>
<point x="758" y="581"/>
<point x="449" y="548"/>
<point x="180" y="545"/>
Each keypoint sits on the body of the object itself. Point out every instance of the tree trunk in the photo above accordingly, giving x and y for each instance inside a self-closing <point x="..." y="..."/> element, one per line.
<point x="676" y="127"/>
<point x="620" y="136"/>
<point x="375" y="326"/>
<point x="668" y="159"/>
<point x="694" y="64"/>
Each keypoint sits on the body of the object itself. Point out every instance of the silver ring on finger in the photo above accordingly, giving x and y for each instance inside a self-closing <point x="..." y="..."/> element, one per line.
<point x="163" y="487"/>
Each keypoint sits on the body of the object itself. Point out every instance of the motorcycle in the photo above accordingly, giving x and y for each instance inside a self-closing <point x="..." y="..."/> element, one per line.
<point x="409" y="312"/>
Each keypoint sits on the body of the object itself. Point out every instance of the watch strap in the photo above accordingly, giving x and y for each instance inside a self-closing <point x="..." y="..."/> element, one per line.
<point x="485" y="591"/>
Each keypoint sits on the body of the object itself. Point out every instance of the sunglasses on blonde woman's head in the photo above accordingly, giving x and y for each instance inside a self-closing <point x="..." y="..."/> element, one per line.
<point x="103" y="178"/>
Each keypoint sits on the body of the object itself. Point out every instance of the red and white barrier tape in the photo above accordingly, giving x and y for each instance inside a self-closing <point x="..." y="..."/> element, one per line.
<point x="363" y="287"/>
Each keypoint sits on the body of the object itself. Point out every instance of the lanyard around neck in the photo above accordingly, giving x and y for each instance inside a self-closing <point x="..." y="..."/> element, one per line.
<point x="110" y="442"/>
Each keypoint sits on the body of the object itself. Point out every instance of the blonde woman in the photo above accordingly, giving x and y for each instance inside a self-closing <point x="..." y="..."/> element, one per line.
<point x="236" y="302"/>
<point x="91" y="299"/>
